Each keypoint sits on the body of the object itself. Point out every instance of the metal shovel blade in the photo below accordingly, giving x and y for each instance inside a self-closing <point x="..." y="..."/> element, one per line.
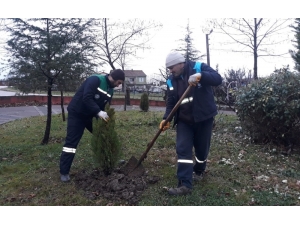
<point x="131" y="168"/>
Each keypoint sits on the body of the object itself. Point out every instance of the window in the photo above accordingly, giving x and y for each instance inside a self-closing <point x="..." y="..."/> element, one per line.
<point x="141" y="79"/>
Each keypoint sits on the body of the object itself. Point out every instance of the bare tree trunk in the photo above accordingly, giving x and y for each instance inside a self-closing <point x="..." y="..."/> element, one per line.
<point x="128" y="96"/>
<point x="49" y="99"/>
<point x="255" y="50"/>
<point x="62" y="105"/>
<point x="49" y="114"/>
<point x="255" y="76"/>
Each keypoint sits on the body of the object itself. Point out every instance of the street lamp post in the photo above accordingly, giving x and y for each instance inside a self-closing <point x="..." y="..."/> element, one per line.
<point x="207" y="48"/>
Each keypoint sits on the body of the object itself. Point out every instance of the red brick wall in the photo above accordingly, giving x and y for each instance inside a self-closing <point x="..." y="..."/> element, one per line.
<point x="13" y="100"/>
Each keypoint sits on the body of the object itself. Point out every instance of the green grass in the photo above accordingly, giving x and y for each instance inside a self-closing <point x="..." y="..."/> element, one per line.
<point x="239" y="172"/>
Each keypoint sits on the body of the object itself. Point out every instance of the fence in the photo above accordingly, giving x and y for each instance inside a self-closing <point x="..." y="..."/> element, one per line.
<point x="56" y="100"/>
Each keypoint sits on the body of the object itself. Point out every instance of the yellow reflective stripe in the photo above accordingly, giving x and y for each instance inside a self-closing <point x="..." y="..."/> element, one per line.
<point x="69" y="150"/>
<point x="104" y="92"/>
<point x="186" y="100"/>
<point x="184" y="161"/>
<point x="199" y="160"/>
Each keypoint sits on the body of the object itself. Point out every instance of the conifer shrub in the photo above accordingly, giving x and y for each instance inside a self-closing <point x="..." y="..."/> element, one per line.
<point x="269" y="108"/>
<point x="105" y="143"/>
<point x="144" y="103"/>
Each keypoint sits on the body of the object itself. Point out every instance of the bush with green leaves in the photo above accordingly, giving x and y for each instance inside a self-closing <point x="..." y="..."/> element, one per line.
<point x="269" y="108"/>
<point x="105" y="142"/>
<point x="144" y="103"/>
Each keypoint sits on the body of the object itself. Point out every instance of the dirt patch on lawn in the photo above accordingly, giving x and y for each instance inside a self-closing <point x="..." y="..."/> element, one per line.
<point x="118" y="188"/>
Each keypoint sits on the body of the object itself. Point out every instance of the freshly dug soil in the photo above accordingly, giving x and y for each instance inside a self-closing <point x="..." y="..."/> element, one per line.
<point x="121" y="187"/>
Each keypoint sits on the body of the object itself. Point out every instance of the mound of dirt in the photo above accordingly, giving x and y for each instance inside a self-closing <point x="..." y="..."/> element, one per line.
<point x="119" y="187"/>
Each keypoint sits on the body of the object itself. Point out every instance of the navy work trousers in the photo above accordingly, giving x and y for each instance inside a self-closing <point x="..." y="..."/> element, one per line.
<point x="75" y="128"/>
<point x="197" y="135"/>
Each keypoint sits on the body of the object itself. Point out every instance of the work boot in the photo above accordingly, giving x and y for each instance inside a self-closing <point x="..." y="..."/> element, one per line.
<point x="65" y="178"/>
<point x="198" y="176"/>
<point x="182" y="190"/>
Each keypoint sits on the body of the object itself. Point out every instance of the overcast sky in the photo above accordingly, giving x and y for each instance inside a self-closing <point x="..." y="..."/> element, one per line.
<point x="174" y="29"/>
<point x="174" y="23"/>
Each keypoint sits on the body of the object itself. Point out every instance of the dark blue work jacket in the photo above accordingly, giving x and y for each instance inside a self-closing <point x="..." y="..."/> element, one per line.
<point x="92" y="96"/>
<point x="202" y="106"/>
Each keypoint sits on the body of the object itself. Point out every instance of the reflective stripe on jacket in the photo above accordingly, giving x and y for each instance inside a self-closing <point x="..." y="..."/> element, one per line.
<point x="92" y="96"/>
<point x="203" y="104"/>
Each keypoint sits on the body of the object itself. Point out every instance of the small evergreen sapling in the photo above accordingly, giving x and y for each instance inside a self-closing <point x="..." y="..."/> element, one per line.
<point x="105" y="142"/>
<point x="144" y="103"/>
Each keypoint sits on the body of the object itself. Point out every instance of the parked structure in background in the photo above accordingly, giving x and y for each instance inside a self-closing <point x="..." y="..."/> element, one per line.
<point x="157" y="86"/>
<point x="157" y="82"/>
<point x="155" y="89"/>
<point x="135" y="80"/>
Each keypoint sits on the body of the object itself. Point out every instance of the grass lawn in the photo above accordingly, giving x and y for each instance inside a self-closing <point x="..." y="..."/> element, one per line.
<point x="239" y="173"/>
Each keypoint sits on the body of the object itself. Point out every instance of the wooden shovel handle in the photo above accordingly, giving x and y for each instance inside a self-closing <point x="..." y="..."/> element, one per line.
<point x="161" y="129"/>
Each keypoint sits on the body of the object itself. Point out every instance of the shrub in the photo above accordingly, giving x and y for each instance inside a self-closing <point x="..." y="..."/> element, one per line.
<point x="144" y="103"/>
<point x="225" y="93"/>
<point x="269" y="108"/>
<point x="105" y="142"/>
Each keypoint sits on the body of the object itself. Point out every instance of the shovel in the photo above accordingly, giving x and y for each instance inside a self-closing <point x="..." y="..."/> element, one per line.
<point x="134" y="167"/>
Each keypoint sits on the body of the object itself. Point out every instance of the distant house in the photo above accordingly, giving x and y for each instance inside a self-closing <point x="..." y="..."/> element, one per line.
<point x="135" y="79"/>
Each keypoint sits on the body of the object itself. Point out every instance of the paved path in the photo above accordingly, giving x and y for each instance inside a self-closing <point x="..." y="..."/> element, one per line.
<point x="8" y="114"/>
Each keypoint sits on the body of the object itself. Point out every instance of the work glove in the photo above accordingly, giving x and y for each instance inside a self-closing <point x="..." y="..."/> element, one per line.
<point x="167" y="125"/>
<point x="194" y="79"/>
<point x="103" y="115"/>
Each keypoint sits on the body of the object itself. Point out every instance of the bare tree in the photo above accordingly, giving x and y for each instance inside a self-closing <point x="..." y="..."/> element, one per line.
<point x="117" y="41"/>
<point x="164" y="73"/>
<point x="257" y="36"/>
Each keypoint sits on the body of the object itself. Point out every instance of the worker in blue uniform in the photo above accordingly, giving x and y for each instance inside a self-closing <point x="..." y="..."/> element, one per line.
<point x="193" y="119"/>
<point x="89" y="101"/>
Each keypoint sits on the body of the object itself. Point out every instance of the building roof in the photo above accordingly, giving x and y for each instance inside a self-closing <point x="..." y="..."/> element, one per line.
<point x="134" y="73"/>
